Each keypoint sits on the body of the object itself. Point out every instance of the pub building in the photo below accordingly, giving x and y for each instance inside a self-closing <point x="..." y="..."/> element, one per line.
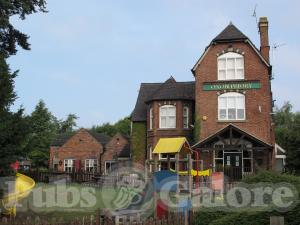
<point x="225" y="113"/>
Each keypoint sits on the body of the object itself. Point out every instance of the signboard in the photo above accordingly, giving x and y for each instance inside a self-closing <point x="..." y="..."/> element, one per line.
<point x="232" y="86"/>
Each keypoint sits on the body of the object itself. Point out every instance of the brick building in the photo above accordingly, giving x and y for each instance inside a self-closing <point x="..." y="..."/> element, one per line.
<point x="226" y="112"/>
<point x="88" y="151"/>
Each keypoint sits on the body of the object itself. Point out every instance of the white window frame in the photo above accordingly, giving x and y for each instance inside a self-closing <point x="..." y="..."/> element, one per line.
<point x="231" y="95"/>
<point x="161" y="154"/>
<point x="151" y="118"/>
<point x="185" y="117"/>
<point x="228" y="56"/>
<point x="69" y="163"/>
<point x="91" y="165"/>
<point x="167" y="117"/>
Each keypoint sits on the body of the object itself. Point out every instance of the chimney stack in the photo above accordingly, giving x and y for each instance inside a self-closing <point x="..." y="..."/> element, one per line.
<point x="264" y="37"/>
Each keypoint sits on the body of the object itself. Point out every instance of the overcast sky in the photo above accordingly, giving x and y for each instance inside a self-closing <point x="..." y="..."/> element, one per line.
<point x="89" y="57"/>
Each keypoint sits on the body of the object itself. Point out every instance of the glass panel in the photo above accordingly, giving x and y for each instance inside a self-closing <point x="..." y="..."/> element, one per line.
<point x="172" y="111"/>
<point x="231" y="114"/>
<point x="231" y="102"/>
<point x="163" y="111"/>
<point x="241" y="114"/>
<point x="240" y="74"/>
<point x="219" y="165"/>
<point x="219" y="153"/>
<point x="240" y="102"/>
<point x="222" y="103"/>
<point x="239" y="62"/>
<point x="230" y="63"/>
<point x="230" y="74"/>
<point x="172" y="122"/>
<point x="222" y="63"/>
<point x="163" y="122"/>
<point x="222" y="74"/>
<point x="223" y="114"/>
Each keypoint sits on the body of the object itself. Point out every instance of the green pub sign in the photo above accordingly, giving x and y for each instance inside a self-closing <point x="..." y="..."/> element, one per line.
<point x="232" y="86"/>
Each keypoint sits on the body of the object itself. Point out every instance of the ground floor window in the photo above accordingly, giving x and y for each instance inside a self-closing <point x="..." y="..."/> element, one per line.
<point x="69" y="165"/>
<point x="91" y="165"/>
<point x="110" y="166"/>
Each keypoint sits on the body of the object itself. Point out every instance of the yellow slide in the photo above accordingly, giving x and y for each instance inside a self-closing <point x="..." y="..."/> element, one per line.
<point x="23" y="186"/>
<point x="204" y="173"/>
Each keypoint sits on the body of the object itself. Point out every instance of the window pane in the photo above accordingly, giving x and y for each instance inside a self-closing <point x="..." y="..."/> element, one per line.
<point x="241" y="114"/>
<point x="171" y="111"/>
<point x="223" y="113"/>
<point x="185" y="111"/>
<point x="240" y="102"/>
<point x="240" y="74"/>
<point x="163" y="111"/>
<point x="231" y="114"/>
<point x="163" y="121"/>
<point x="222" y="74"/>
<point x="230" y="63"/>
<point x="172" y="122"/>
<point x="222" y="63"/>
<point x="230" y="74"/>
<point x="231" y="102"/>
<point x="239" y="62"/>
<point x="222" y="103"/>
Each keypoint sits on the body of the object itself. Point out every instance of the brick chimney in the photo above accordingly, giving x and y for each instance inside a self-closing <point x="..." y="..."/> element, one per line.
<point x="264" y="37"/>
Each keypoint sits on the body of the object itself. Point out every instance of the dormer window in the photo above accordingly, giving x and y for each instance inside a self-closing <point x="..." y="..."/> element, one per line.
<point x="231" y="66"/>
<point x="167" y="116"/>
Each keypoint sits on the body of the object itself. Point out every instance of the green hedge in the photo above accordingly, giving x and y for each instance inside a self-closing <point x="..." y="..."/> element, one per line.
<point x="292" y="217"/>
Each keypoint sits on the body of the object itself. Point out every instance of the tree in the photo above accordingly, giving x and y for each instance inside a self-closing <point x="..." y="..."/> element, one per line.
<point x="43" y="128"/>
<point x="68" y="125"/>
<point x="13" y="125"/>
<point x="122" y="126"/>
<point x="287" y="133"/>
<point x="10" y="37"/>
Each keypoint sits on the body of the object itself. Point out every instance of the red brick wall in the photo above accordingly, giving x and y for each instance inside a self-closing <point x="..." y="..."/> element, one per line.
<point x="112" y="149"/>
<point x="156" y="133"/>
<point x="256" y="123"/>
<point x="80" y="146"/>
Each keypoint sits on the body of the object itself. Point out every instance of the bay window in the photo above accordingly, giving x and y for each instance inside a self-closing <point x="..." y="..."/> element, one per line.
<point x="231" y="106"/>
<point x="167" y="116"/>
<point x="231" y="66"/>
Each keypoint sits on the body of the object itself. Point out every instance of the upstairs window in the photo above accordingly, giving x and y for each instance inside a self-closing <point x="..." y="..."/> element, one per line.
<point x="185" y="117"/>
<point x="231" y="106"/>
<point x="167" y="114"/>
<point x="231" y="66"/>
<point x="151" y="119"/>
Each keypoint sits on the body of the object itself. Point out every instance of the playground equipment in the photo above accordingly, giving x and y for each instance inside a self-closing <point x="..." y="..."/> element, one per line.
<point x="23" y="186"/>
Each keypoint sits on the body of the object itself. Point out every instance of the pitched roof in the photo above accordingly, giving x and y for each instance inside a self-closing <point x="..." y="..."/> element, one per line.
<point x="61" y="139"/>
<point x="169" y="90"/>
<point x="125" y="152"/>
<point x="230" y="33"/>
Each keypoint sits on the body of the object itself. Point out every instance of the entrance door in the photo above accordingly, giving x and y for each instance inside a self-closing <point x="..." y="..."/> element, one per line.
<point x="233" y="166"/>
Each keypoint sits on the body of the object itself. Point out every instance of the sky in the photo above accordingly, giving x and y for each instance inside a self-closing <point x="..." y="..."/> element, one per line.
<point x="89" y="57"/>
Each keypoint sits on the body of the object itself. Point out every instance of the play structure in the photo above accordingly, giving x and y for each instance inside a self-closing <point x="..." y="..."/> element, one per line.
<point x="175" y="161"/>
<point x="22" y="187"/>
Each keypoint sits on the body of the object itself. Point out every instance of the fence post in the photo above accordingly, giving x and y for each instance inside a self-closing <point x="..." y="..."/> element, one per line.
<point x="98" y="217"/>
<point x="276" y="220"/>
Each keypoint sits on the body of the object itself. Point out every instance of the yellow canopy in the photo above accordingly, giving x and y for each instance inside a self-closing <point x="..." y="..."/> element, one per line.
<point x="170" y="145"/>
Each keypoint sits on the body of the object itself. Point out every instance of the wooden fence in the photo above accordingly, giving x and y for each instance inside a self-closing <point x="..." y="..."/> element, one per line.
<point x="171" y="219"/>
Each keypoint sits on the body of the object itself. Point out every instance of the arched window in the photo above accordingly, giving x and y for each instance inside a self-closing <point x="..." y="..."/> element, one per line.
<point x="231" y="66"/>
<point x="185" y="117"/>
<point x="167" y="116"/>
<point x="151" y="119"/>
<point x="231" y="106"/>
